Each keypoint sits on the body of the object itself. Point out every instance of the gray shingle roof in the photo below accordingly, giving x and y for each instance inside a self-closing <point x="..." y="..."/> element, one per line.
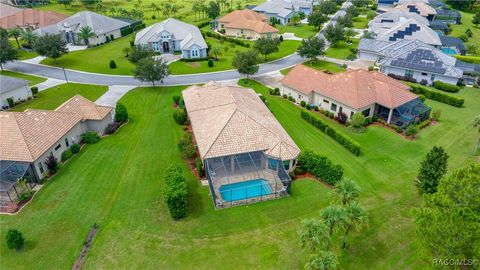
<point x="10" y="83"/>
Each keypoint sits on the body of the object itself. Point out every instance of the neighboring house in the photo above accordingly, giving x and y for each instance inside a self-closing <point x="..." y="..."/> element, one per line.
<point x="16" y="89"/>
<point x="284" y="10"/>
<point x="409" y="29"/>
<point x="387" y="20"/>
<point x="423" y="9"/>
<point x="29" y="19"/>
<point x="104" y="28"/>
<point x="28" y="138"/>
<point x="452" y="45"/>
<point x="242" y="145"/>
<point x="246" y="24"/>
<point x="411" y="59"/>
<point x="171" y="36"/>
<point x="367" y="92"/>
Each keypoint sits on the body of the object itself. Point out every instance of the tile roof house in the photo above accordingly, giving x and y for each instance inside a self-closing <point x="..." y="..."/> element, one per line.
<point x="30" y="19"/>
<point x="423" y="9"/>
<point x="284" y="10"/>
<point x="7" y="10"/>
<point x="371" y="93"/>
<point x="405" y="28"/>
<point x="104" y="28"/>
<point x="172" y="35"/>
<point x="389" y="19"/>
<point x="411" y="58"/>
<point x="28" y="138"/>
<point x="238" y="138"/>
<point x="14" y="88"/>
<point x="246" y="24"/>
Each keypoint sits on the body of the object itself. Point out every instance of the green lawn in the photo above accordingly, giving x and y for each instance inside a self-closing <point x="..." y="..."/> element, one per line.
<point x="342" y="50"/>
<point x="301" y="30"/>
<point x="33" y="79"/>
<point x="22" y="54"/>
<point x="320" y="65"/>
<point x="360" y="22"/>
<point x="118" y="182"/>
<point x="459" y="29"/>
<point x="53" y="97"/>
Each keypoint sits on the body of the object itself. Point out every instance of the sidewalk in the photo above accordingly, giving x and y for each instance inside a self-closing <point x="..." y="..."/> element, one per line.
<point x="114" y="94"/>
<point x="49" y="83"/>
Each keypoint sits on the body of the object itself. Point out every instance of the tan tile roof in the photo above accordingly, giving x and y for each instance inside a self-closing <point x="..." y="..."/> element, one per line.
<point x="247" y="19"/>
<point x="354" y="88"/>
<point x="88" y="109"/>
<point x="423" y="8"/>
<point x="232" y="120"/>
<point x="31" y="17"/>
<point x="7" y="10"/>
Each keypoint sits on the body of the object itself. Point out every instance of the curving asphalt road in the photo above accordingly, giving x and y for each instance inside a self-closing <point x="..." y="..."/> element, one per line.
<point x="104" y="79"/>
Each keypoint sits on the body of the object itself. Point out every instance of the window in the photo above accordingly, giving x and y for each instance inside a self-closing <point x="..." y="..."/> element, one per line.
<point x="366" y="112"/>
<point x="424" y="74"/>
<point x="40" y="167"/>
<point x="351" y="114"/>
<point x="300" y="96"/>
<point x="326" y="101"/>
<point x="286" y="164"/>
<point x="432" y="78"/>
<point x="333" y="107"/>
<point x="409" y="73"/>
<point x="58" y="147"/>
<point x="66" y="142"/>
<point x="241" y="31"/>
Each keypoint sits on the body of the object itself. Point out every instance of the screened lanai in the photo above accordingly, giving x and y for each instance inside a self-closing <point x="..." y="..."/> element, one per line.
<point x="10" y="173"/>
<point x="246" y="178"/>
<point x="412" y="112"/>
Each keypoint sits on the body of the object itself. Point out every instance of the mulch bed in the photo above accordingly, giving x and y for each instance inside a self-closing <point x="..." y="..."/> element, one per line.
<point x="311" y="176"/>
<point x="86" y="246"/>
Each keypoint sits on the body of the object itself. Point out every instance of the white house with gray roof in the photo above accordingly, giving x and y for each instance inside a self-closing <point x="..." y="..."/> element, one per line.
<point x="171" y="36"/>
<point x="104" y="28"/>
<point x="284" y="10"/>
<point x="16" y="89"/>
<point x="411" y="58"/>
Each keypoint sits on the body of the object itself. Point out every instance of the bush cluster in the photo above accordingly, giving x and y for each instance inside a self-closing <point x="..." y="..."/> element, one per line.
<point x="446" y="87"/>
<point x="195" y="59"/>
<point x="186" y="146"/>
<point x="67" y="154"/>
<point x="423" y="124"/>
<point x="402" y="78"/>
<point x="412" y="130"/>
<point x="10" y="102"/>
<point x="180" y="116"/>
<point x="34" y="90"/>
<point x="121" y="113"/>
<point x="440" y="97"/>
<point x="199" y="166"/>
<point x="320" y="166"/>
<point x="75" y="148"/>
<point x="274" y="92"/>
<point x="203" y="24"/>
<point x="112" y="127"/>
<point x="228" y="39"/>
<point x="345" y="141"/>
<point x="112" y="64"/>
<point x="90" y="137"/>
<point x="14" y="239"/>
<point x="176" y="192"/>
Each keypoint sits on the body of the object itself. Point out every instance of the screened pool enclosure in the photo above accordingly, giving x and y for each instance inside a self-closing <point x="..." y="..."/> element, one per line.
<point x="11" y="172"/>
<point x="246" y="178"/>
<point x="412" y="112"/>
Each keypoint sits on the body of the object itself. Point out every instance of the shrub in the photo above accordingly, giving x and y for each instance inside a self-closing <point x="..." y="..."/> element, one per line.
<point x="24" y="196"/>
<point x="423" y="124"/>
<point x="10" y="102"/>
<point x="210" y="63"/>
<point x="187" y="60"/>
<point x="121" y="113"/>
<point x="345" y="141"/>
<point x="446" y="87"/>
<point x="75" y="148"/>
<point x="274" y="92"/>
<point x="423" y="82"/>
<point x="176" y="99"/>
<point x="52" y="164"/>
<point x="315" y="108"/>
<point x="175" y="192"/>
<point x="440" y="97"/>
<point x="280" y="38"/>
<point x="411" y="130"/>
<point x="112" y="127"/>
<point x="186" y="147"/>
<point x="228" y="39"/>
<point x="436" y="115"/>
<point x="421" y="97"/>
<point x="199" y="166"/>
<point x="34" y="90"/>
<point x="342" y="118"/>
<point x="308" y="107"/>
<point x="331" y="115"/>
<point x="67" y="154"/>
<point x="180" y="116"/>
<point x="264" y="99"/>
<point x="303" y="103"/>
<point x="370" y="68"/>
<point x="14" y="239"/>
<point x="112" y="64"/>
<point x="285" y="96"/>
<point x="357" y="120"/>
<point x="320" y="166"/>
<point x="90" y="137"/>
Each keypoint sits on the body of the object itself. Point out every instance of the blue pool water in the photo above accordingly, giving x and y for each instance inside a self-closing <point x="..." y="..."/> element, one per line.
<point x="449" y="51"/>
<point x="245" y="190"/>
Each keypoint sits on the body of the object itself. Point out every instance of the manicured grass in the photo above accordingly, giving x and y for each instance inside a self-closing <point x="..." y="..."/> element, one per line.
<point x="459" y="29"/>
<point x="342" y="50"/>
<point x="97" y="59"/>
<point x="118" y="182"/>
<point x="360" y="22"/>
<point x="22" y="54"/>
<point x="53" y="97"/>
<point x="33" y="79"/>
<point x="301" y="30"/>
<point x="320" y="65"/>
<point x="224" y="62"/>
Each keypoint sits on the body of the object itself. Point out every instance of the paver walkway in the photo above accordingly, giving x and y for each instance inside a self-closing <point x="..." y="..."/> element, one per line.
<point x="49" y="83"/>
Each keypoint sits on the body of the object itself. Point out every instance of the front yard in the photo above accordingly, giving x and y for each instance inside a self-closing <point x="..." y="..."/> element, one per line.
<point x="360" y="22"/>
<point x="320" y="65"/>
<point x="342" y="50"/>
<point x="118" y="183"/>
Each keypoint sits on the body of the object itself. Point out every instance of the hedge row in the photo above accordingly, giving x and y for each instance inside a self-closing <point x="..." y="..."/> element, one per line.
<point x="175" y="192"/>
<point x="437" y="96"/>
<point x="228" y="39"/>
<point x="320" y="166"/>
<point x="446" y="87"/>
<point x="345" y="141"/>
<point x="203" y="24"/>
<point x="469" y="58"/>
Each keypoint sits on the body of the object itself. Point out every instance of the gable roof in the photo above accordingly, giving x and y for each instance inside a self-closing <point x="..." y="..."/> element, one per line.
<point x="410" y="29"/>
<point x="84" y="107"/>
<point x="188" y="34"/>
<point x="8" y="83"/>
<point x="392" y="17"/>
<point x="417" y="7"/>
<point x="247" y="19"/>
<point x="31" y="17"/>
<point x="278" y="7"/>
<point x="7" y="10"/>
<point x="233" y="120"/>
<point x="354" y="88"/>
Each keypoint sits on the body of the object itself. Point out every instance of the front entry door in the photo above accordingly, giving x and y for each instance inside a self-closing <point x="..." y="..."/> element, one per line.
<point x="166" y="46"/>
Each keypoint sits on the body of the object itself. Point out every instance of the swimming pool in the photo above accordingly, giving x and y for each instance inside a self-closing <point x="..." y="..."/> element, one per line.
<point x="245" y="190"/>
<point x="449" y="51"/>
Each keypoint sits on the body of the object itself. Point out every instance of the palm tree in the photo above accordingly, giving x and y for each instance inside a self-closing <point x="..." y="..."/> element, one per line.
<point x="15" y="33"/>
<point x="334" y="217"/>
<point x="174" y="9"/>
<point x="216" y="51"/>
<point x="127" y="51"/>
<point x="29" y="37"/>
<point x="85" y="33"/>
<point x="314" y="234"/>
<point x="325" y="260"/>
<point x="346" y="192"/>
<point x="357" y="218"/>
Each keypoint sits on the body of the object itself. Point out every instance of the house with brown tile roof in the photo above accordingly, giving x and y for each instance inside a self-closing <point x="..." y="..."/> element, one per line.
<point x="31" y="19"/>
<point x="238" y="139"/>
<point x="246" y="24"/>
<point x="369" y="92"/>
<point x="28" y="138"/>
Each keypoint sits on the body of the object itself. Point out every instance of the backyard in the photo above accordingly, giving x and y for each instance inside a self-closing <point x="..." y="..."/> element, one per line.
<point x="301" y="30"/>
<point x="342" y="50"/>
<point x="459" y="29"/>
<point x="118" y="182"/>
